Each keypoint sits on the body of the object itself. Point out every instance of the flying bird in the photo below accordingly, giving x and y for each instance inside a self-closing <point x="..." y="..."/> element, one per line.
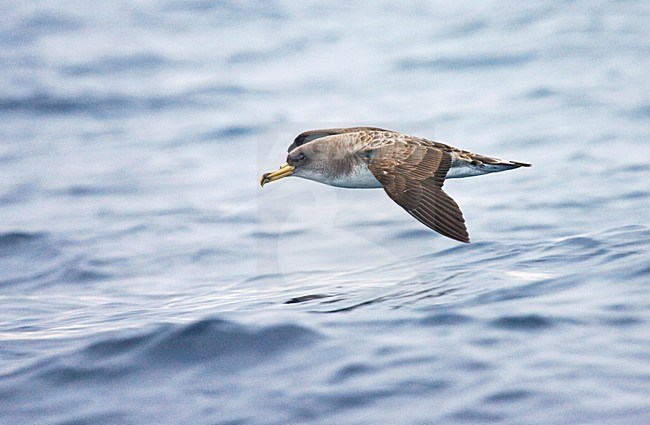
<point x="411" y="170"/>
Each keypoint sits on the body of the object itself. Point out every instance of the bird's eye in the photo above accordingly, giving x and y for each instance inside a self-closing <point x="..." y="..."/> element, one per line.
<point x="301" y="156"/>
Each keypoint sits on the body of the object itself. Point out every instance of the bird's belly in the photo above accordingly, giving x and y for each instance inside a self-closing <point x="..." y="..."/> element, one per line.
<point x="360" y="178"/>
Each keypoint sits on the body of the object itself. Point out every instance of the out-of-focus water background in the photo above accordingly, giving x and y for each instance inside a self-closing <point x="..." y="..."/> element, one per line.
<point x="145" y="277"/>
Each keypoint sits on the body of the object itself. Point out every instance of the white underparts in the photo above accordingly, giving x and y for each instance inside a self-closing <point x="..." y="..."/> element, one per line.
<point x="468" y="169"/>
<point x="360" y="178"/>
<point x="465" y="171"/>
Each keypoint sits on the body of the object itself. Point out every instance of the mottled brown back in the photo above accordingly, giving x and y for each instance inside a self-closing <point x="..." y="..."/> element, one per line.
<point x="308" y="136"/>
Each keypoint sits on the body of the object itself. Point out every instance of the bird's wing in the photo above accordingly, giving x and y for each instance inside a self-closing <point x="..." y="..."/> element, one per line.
<point x="310" y="135"/>
<point x="412" y="174"/>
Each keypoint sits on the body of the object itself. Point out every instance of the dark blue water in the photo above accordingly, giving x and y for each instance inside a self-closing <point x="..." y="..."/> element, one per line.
<point x="146" y="278"/>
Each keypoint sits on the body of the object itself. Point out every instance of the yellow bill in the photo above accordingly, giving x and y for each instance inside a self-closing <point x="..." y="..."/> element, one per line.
<point x="284" y="171"/>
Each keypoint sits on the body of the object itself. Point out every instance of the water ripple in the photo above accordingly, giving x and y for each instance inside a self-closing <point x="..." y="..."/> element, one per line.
<point x="524" y="323"/>
<point x="103" y="104"/>
<point x="466" y="62"/>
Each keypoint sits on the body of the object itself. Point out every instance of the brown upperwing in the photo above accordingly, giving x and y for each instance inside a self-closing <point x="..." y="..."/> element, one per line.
<point x="412" y="175"/>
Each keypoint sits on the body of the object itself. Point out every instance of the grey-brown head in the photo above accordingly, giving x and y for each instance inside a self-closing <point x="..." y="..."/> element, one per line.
<point x="318" y="160"/>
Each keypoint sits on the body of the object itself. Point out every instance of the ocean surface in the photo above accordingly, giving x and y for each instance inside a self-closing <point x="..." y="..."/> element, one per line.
<point x="146" y="278"/>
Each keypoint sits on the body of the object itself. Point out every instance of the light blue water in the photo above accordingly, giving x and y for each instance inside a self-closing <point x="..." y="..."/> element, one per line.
<point x="145" y="277"/>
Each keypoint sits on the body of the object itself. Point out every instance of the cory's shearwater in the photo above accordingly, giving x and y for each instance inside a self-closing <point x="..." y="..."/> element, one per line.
<point x="411" y="170"/>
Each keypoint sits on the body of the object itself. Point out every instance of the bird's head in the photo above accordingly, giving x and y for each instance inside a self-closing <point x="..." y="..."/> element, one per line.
<point x="307" y="161"/>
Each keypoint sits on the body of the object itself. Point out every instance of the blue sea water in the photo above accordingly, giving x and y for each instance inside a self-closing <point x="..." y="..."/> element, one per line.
<point x="145" y="277"/>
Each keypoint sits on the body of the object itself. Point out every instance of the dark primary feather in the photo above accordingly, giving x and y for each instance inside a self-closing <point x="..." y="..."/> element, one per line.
<point x="412" y="175"/>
